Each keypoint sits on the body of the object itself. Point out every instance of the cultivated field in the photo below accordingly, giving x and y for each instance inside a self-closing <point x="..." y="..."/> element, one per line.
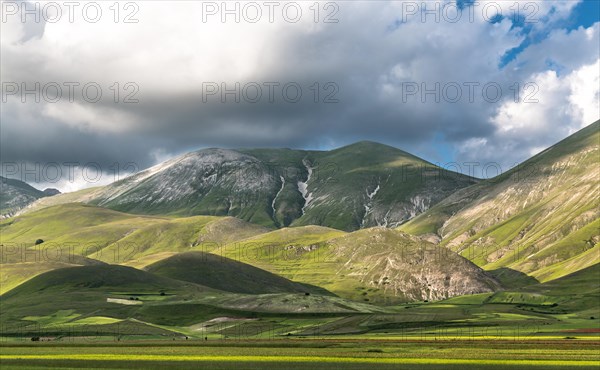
<point x="359" y="353"/>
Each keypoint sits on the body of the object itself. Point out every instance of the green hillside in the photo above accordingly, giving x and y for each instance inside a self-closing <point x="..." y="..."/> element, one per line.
<point x="541" y="218"/>
<point x="369" y="184"/>
<point x="109" y="299"/>
<point x="370" y="265"/>
<point x="161" y="254"/>
<point x="577" y="294"/>
<point x="71" y="231"/>
<point x="226" y="274"/>
<point x="19" y="266"/>
<point x="96" y="301"/>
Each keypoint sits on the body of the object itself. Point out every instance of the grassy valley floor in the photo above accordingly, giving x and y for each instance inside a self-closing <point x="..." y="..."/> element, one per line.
<point x="335" y="353"/>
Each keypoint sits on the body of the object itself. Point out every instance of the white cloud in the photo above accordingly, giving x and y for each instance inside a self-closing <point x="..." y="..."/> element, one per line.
<point x="566" y="104"/>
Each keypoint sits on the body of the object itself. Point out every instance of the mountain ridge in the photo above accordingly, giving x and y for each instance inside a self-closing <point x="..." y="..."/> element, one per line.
<point x="533" y="218"/>
<point x="285" y="187"/>
<point x="15" y="195"/>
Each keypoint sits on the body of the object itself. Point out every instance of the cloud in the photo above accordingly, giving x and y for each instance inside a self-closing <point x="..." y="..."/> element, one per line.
<point x="366" y="61"/>
<point x="563" y="101"/>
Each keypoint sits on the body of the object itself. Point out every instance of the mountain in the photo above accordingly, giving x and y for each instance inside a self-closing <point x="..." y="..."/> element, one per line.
<point x="541" y="218"/>
<point x="361" y="185"/>
<point x="15" y="195"/>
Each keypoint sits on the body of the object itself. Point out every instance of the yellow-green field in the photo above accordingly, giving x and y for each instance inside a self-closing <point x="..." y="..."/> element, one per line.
<point x="310" y="354"/>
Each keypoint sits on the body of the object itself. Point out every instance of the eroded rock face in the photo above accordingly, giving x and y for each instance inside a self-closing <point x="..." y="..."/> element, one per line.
<point x="405" y="268"/>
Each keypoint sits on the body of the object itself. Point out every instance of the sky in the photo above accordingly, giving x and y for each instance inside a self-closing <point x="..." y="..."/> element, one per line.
<point x="92" y="91"/>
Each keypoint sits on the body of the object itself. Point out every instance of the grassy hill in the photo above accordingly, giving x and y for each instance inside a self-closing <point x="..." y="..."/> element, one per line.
<point x="516" y="251"/>
<point x="584" y="281"/>
<point x="226" y="274"/>
<point x="20" y="266"/>
<point x="541" y="218"/>
<point x="90" y="289"/>
<point x="70" y="231"/>
<point x="370" y="265"/>
<point x="374" y="265"/>
<point x="120" y="300"/>
<point x="106" y="278"/>
<point x="80" y="196"/>
<point x="577" y="293"/>
<point x="87" y="299"/>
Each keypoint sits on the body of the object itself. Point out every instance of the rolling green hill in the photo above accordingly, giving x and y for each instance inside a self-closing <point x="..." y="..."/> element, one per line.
<point x="541" y="218"/>
<point x="103" y="290"/>
<point x="584" y="281"/>
<point x="577" y="293"/>
<point x="89" y="299"/>
<point x="106" y="278"/>
<point x="18" y="266"/>
<point x="97" y="301"/>
<point x="120" y="300"/>
<point x="71" y="231"/>
<point x="370" y="265"/>
<point x="226" y="274"/>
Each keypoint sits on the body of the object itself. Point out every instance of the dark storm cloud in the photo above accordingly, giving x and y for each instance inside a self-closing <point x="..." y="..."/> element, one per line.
<point x="363" y="69"/>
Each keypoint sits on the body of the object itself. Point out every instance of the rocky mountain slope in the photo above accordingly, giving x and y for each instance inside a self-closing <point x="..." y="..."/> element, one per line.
<point x="541" y="218"/>
<point x="357" y="186"/>
<point x="15" y="195"/>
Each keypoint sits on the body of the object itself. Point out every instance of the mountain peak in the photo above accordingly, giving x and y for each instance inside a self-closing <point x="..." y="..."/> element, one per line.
<point x="368" y="144"/>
